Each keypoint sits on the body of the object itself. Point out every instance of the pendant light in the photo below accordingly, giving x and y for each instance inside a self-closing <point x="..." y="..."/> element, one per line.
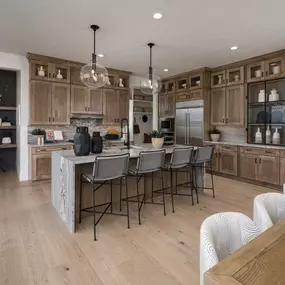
<point x="93" y="74"/>
<point x="150" y="84"/>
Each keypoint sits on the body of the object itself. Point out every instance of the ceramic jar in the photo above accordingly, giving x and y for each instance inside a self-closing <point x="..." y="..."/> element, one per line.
<point x="108" y="81"/>
<point x="258" y="73"/>
<point x="41" y="71"/>
<point x="236" y="77"/>
<point x="276" y="137"/>
<point x="258" y="136"/>
<point x="157" y="142"/>
<point x="121" y="83"/>
<point x="276" y="69"/>
<point x="220" y="81"/>
<point x="274" y="95"/>
<point x="6" y="140"/>
<point x="268" y="135"/>
<point x="59" y="75"/>
<point x="261" y="96"/>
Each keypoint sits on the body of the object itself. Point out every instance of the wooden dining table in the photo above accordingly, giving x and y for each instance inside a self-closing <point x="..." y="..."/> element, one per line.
<point x="260" y="262"/>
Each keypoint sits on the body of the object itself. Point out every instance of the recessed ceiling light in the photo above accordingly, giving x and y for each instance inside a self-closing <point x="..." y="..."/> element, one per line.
<point x="234" y="48"/>
<point x="101" y="55"/>
<point x="165" y="69"/>
<point x="157" y="16"/>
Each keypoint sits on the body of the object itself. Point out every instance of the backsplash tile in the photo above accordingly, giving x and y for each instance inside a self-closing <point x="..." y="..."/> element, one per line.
<point x="232" y="134"/>
<point x="94" y="125"/>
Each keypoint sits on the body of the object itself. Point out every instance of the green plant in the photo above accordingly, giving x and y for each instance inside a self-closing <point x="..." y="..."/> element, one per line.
<point x="157" y="134"/>
<point x="213" y="131"/>
<point x="38" y="132"/>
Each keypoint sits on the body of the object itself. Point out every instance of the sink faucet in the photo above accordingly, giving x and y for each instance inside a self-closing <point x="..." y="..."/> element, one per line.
<point x="125" y="120"/>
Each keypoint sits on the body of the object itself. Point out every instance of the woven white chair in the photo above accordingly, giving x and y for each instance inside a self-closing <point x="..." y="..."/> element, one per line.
<point x="222" y="234"/>
<point x="268" y="209"/>
<point x="284" y="188"/>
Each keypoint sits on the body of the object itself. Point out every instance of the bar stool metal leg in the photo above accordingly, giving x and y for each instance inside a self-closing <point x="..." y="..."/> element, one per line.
<point x="127" y="201"/>
<point x="163" y="193"/>
<point x="94" y="213"/>
<point x="212" y="179"/>
<point x="80" y="199"/>
<point x="152" y="187"/>
<point x="138" y="200"/>
<point x="111" y="194"/>
<point x="192" y="184"/>
<point x="171" y="189"/>
<point x="121" y="182"/>
<point x="196" y="186"/>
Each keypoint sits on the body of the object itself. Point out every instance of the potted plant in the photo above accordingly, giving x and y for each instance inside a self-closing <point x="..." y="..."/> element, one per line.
<point x="157" y="139"/>
<point x="214" y="134"/>
<point x="40" y="134"/>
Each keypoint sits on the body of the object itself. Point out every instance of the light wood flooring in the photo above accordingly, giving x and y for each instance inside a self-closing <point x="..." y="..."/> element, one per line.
<point x="36" y="247"/>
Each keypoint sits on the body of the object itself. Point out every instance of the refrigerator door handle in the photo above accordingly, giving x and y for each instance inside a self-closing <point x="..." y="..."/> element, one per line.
<point x="189" y="121"/>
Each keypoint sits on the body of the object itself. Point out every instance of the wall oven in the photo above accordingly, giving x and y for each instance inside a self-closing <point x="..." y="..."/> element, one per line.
<point x="167" y="125"/>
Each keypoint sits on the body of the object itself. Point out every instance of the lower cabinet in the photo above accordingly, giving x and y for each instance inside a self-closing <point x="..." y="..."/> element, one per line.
<point x="228" y="163"/>
<point x="248" y="167"/>
<point x="268" y="169"/>
<point x="215" y="160"/>
<point x="282" y="170"/>
<point x="41" y="161"/>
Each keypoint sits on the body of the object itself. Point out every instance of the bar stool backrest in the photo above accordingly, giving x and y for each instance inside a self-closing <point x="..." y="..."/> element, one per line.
<point x="150" y="161"/>
<point x="204" y="154"/>
<point x="110" y="167"/>
<point x="181" y="157"/>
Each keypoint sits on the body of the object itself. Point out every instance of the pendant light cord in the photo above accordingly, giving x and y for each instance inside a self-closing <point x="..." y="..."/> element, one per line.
<point x="94" y="57"/>
<point x="150" y="62"/>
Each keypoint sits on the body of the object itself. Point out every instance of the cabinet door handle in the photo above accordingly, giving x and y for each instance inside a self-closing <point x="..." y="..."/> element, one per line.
<point x="255" y="160"/>
<point x="216" y="154"/>
<point x="220" y="154"/>
<point x="53" y="75"/>
<point x="259" y="160"/>
<point x="262" y="73"/>
<point x="53" y="119"/>
<point x="266" y="73"/>
<point x="223" y="120"/>
<point x="49" y="119"/>
<point x="85" y="108"/>
<point x="226" y="120"/>
<point x="49" y="75"/>
<point x="268" y="151"/>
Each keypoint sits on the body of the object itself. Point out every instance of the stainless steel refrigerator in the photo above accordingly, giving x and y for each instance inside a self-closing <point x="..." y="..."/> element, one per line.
<point x="189" y="126"/>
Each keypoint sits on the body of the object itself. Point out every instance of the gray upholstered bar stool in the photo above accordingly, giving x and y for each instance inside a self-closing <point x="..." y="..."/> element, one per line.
<point x="180" y="159"/>
<point x="105" y="169"/>
<point x="148" y="162"/>
<point x="203" y="159"/>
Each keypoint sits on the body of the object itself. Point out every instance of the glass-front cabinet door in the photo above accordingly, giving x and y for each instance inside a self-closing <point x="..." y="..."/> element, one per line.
<point x="196" y="80"/>
<point x="235" y="75"/>
<point x="182" y="83"/>
<point x="218" y="79"/>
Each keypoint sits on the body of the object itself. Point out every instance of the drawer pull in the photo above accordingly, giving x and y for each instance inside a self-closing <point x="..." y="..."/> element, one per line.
<point x="268" y="151"/>
<point x="248" y="149"/>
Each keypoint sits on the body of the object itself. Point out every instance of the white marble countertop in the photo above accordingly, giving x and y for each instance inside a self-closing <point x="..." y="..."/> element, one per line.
<point x="51" y="144"/>
<point x="134" y="153"/>
<point x="245" y="144"/>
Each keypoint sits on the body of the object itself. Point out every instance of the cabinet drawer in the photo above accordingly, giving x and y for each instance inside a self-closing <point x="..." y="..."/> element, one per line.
<point x="233" y="148"/>
<point x="259" y="151"/>
<point x="50" y="149"/>
<point x="282" y="153"/>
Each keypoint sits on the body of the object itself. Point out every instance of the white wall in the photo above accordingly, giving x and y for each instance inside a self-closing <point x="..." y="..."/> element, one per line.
<point x="20" y="64"/>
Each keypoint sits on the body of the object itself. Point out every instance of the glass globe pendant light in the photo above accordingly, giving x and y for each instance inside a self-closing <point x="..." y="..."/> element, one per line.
<point x="150" y="84"/>
<point x="93" y="74"/>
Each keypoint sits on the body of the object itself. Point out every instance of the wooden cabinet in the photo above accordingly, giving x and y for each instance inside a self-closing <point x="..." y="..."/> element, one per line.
<point x="60" y="104"/>
<point x="248" y="167"/>
<point x="111" y="115"/>
<point x="227" y="77"/>
<point x="40" y="103"/>
<point x="227" y="106"/>
<point x="86" y="100"/>
<point x="282" y="170"/>
<point x="228" y="162"/>
<point x="167" y="107"/>
<point x="218" y="79"/>
<point x="75" y="75"/>
<point x="235" y="105"/>
<point x="267" y="69"/>
<point x="123" y="104"/>
<point x="168" y="86"/>
<point x="79" y="95"/>
<point x="218" y="105"/>
<point x="215" y="160"/>
<point x="49" y="103"/>
<point x="196" y="94"/>
<point x="41" y="161"/>
<point x="268" y="169"/>
<point x="182" y="96"/>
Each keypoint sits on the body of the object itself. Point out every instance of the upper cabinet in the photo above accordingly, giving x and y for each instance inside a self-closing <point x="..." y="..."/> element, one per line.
<point x="167" y="107"/>
<point x="267" y="69"/>
<point x="231" y="76"/>
<point x="40" y="70"/>
<point x="168" y="86"/>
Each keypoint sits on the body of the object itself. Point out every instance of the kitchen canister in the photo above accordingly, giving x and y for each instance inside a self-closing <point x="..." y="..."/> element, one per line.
<point x="258" y="73"/>
<point x="274" y="95"/>
<point x="258" y="136"/>
<point x="276" y="137"/>
<point x="261" y="95"/>
<point x="276" y="69"/>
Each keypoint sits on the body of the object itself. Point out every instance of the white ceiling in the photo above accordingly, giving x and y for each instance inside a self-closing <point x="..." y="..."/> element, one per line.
<point x="191" y="35"/>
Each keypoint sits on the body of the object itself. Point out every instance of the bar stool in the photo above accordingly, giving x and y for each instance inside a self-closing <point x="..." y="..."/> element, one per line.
<point x="105" y="169"/>
<point x="203" y="160"/>
<point x="148" y="162"/>
<point x="180" y="158"/>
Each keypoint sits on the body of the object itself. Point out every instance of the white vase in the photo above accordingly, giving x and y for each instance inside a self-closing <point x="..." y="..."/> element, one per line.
<point x="268" y="135"/>
<point x="276" y="69"/>
<point x="108" y="81"/>
<point x="157" y="142"/>
<point x="258" y="136"/>
<point x="220" y="79"/>
<point x="276" y="137"/>
<point x="274" y="95"/>
<point x="261" y="95"/>
<point x="236" y="78"/>
<point x="121" y="83"/>
<point x="258" y="73"/>
<point x="215" y="137"/>
<point x="41" y="71"/>
<point x="59" y="75"/>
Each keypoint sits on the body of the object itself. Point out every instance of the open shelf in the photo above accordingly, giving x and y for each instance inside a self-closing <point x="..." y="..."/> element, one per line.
<point x="142" y="113"/>
<point x="8" y="145"/>
<point x="142" y="101"/>
<point x="8" y="128"/>
<point x="6" y="108"/>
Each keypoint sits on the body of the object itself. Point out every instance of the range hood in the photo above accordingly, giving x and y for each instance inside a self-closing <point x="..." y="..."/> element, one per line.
<point x="87" y="116"/>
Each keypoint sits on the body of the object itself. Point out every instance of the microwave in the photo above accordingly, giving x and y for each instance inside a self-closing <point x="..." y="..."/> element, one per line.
<point x="167" y="125"/>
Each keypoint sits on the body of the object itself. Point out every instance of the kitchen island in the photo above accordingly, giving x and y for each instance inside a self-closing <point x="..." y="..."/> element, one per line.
<point x="66" y="171"/>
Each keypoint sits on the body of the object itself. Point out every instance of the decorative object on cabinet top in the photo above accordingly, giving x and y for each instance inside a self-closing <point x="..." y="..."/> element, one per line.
<point x="214" y="134"/>
<point x="150" y="83"/>
<point x="93" y="74"/>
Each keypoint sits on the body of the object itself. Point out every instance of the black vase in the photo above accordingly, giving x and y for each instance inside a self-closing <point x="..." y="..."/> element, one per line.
<point x="96" y="143"/>
<point x="81" y="145"/>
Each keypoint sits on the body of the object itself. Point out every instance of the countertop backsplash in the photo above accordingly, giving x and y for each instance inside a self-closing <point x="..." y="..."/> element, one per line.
<point x="232" y="134"/>
<point x="94" y="125"/>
